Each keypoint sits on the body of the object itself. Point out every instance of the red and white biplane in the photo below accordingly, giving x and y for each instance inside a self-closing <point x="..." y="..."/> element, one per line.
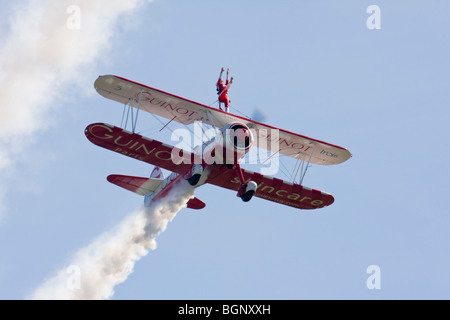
<point x="217" y="161"/>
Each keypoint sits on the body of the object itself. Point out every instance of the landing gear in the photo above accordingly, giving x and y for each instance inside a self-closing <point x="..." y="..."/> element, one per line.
<point x="194" y="179"/>
<point x="247" y="190"/>
<point x="197" y="171"/>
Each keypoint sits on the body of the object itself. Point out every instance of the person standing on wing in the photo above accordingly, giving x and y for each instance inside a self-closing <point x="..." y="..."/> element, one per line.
<point x="222" y="90"/>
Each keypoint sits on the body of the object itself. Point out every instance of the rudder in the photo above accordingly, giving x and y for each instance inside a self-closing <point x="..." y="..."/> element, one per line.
<point x="157" y="173"/>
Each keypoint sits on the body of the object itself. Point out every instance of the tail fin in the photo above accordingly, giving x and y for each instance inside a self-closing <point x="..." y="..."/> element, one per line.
<point x="157" y="173"/>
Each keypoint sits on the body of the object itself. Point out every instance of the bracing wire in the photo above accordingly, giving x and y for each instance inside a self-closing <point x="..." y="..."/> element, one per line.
<point x="243" y="114"/>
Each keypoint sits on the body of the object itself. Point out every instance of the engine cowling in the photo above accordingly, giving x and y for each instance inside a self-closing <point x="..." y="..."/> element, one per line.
<point x="239" y="136"/>
<point x="230" y="145"/>
<point x="237" y="141"/>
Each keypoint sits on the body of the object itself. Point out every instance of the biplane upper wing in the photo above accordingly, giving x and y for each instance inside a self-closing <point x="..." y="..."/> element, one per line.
<point x="185" y="111"/>
<point x="273" y="189"/>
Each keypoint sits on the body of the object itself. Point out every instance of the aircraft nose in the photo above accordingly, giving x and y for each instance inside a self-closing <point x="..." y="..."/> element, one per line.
<point x="242" y="134"/>
<point x="242" y="138"/>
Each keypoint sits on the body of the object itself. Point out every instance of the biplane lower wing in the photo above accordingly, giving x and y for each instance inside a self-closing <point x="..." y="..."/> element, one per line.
<point x="273" y="189"/>
<point x="156" y="153"/>
<point x="185" y="111"/>
<point x="138" y="147"/>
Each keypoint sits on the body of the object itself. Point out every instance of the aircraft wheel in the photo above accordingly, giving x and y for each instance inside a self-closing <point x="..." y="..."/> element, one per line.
<point x="246" y="197"/>
<point x="194" y="179"/>
<point x="197" y="171"/>
<point x="249" y="191"/>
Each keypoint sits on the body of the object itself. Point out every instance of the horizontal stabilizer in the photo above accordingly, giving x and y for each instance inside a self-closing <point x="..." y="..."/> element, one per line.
<point x="137" y="185"/>
<point x="143" y="186"/>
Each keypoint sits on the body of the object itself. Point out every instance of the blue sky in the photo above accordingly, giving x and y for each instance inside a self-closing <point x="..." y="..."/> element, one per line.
<point x="315" y="69"/>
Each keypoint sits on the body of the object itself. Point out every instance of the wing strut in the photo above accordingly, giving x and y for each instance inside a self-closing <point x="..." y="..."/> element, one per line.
<point x="137" y="112"/>
<point x="123" y="115"/>
<point x="303" y="171"/>
<point x="129" y="107"/>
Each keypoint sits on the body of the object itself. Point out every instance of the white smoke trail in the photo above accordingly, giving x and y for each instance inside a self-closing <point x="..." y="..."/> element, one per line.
<point x="49" y="44"/>
<point x="110" y="259"/>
